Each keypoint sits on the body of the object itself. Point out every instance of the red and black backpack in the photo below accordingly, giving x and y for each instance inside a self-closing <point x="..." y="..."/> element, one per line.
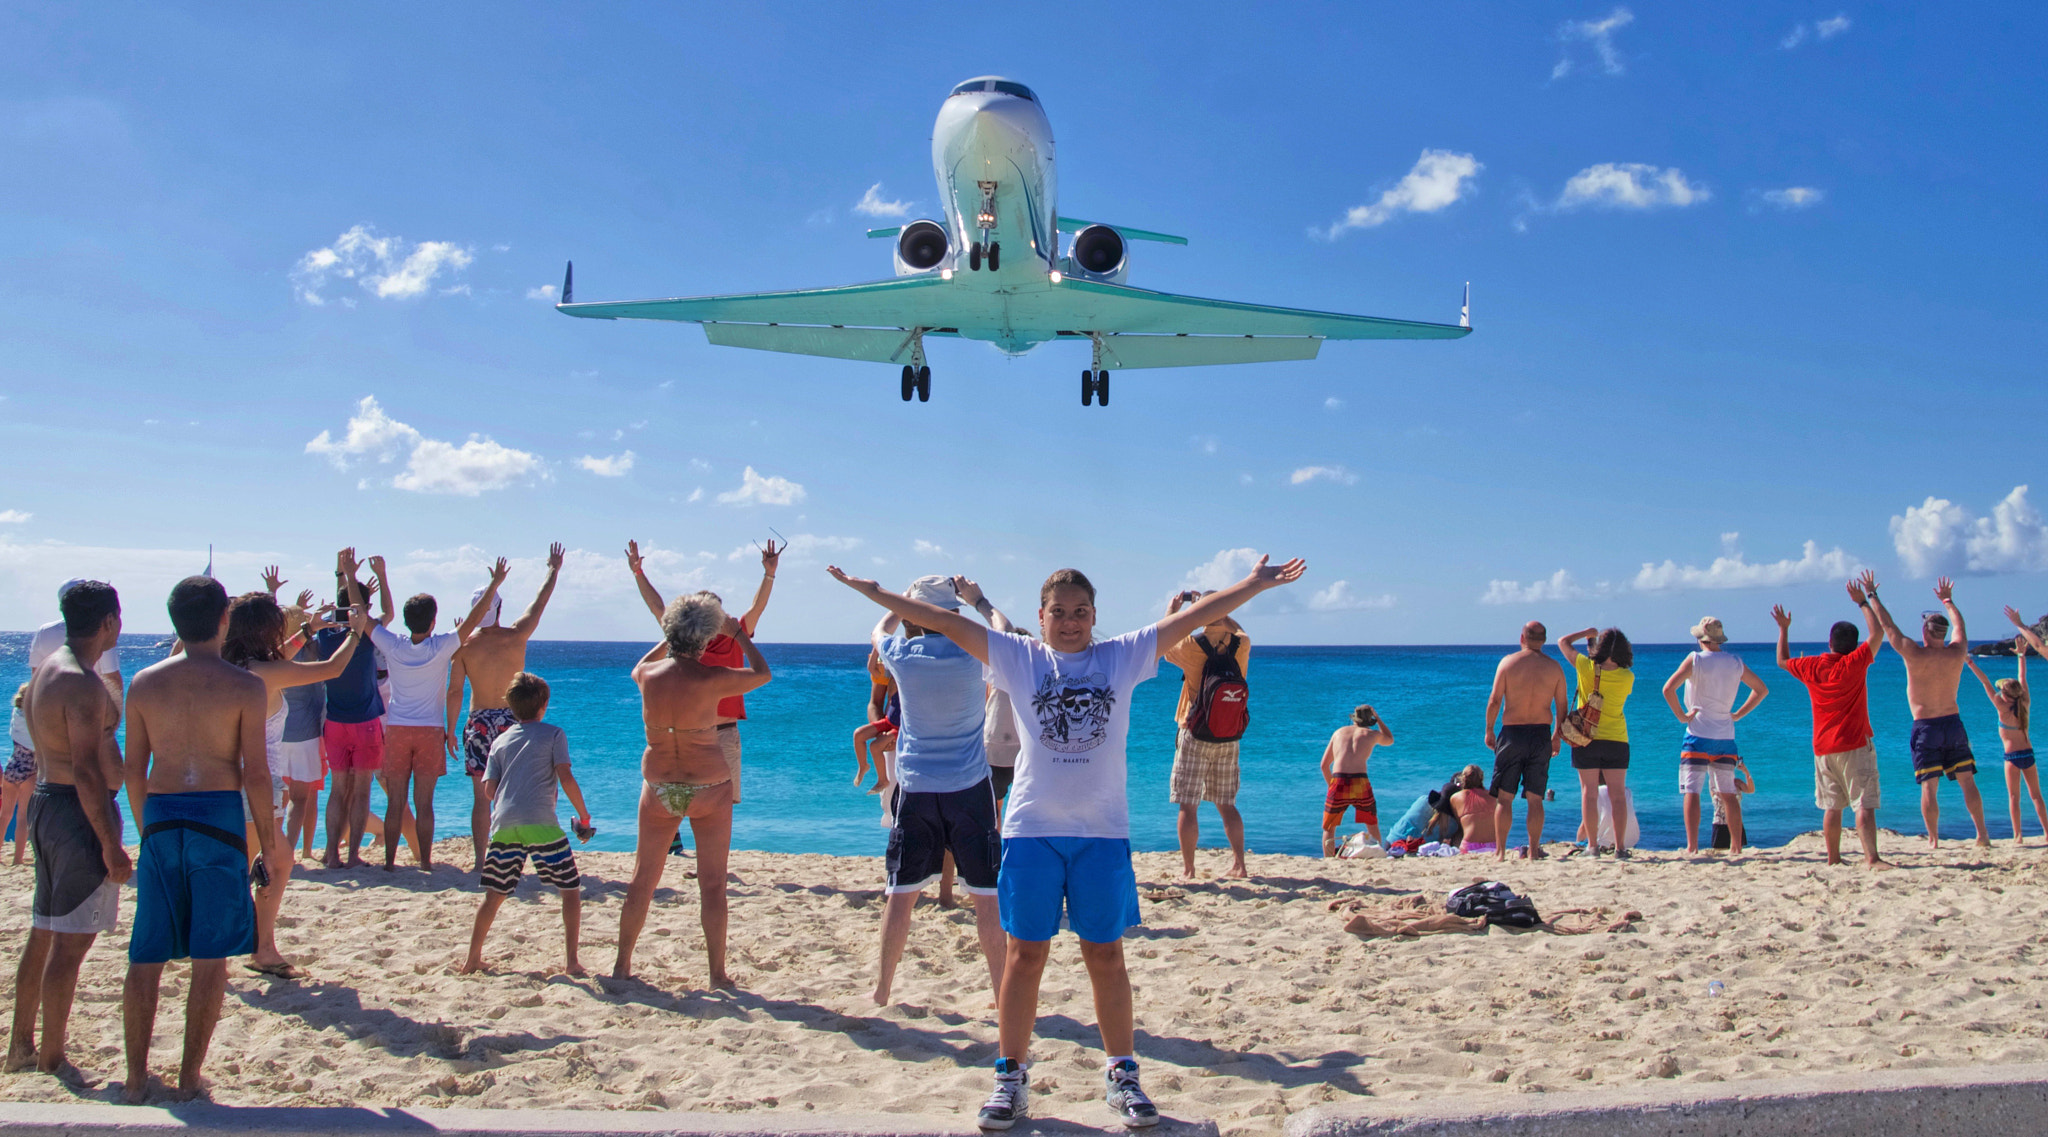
<point x="1222" y="709"/>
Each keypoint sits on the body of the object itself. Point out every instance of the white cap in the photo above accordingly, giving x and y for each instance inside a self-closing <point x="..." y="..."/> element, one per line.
<point x="934" y="590"/>
<point x="490" y="619"/>
<point x="65" y="588"/>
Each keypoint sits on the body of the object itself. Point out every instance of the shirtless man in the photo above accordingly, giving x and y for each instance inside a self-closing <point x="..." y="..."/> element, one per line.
<point x="489" y="659"/>
<point x="1934" y="670"/>
<point x="195" y="755"/>
<point x="685" y="769"/>
<point x="1345" y="783"/>
<point x="1530" y="702"/>
<point x="80" y="864"/>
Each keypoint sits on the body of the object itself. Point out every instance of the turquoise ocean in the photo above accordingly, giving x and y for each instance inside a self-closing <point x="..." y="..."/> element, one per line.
<point x="799" y="796"/>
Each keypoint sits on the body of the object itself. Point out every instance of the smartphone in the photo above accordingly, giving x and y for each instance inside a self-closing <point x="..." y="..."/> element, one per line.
<point x="260" y="872"/>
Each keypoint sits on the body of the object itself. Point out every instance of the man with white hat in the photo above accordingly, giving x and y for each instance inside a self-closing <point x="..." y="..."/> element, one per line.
<point x="488" y="660"/>
<point x="1711" y="676"/>
<point x="945" y="801"/>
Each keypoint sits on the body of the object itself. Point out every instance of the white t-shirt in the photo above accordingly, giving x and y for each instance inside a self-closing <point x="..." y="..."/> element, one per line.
<point x="1074" y="715"/>
<point x="50" y="637"/>
<point x="1716" y="676"/>
<point x="419" y="676"/>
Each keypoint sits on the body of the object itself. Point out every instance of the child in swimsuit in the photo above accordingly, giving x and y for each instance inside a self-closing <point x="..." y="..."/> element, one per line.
<point x="1344" y="762"/>
<point x="874" y="743"/>
<point x="2013" y="701"/>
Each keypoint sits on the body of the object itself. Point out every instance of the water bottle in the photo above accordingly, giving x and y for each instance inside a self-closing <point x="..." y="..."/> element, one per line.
<point x="1716" y="989"/>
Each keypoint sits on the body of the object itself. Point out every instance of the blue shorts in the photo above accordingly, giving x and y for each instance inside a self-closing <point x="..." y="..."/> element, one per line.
<point x="192" y="880"/>
<point x="1941" y="748"/>
<point x="2020" y="759"/>
<point x="1084" y="884"/>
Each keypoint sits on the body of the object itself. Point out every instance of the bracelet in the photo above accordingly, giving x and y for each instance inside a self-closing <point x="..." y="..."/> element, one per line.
<point x="768" y="576"/>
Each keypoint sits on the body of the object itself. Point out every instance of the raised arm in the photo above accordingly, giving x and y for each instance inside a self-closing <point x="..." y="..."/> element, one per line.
<point x="529" y="620"/>
<point x="883" y="629"/>
<point x="1863" y="590"/>
<point x="1216" y="605"/>
<point x="499" y="572"/>
<point x="1757" y="693"/>
<point x="770" y="558"/>
<point x="1990" y="692"/>
<point x="972" y="637"/>
<point x="756" y="672"/>
<point x="654" y="655"/>
<point x="281" y="673"/>
<point x="1784" y="622"/>
<point x="648" y="595"/>
<point x="971" y="595"/>
<point x="1386" y="732"/>
<point x="1880" y="617"/>
<point x="272" y="581"/>
<point x="386" y="612"/>
<point x="1679" y="676"/>
<point x="1945" y="591"/>
<point x="2027" y="634"/>
<point x="458" y="673"/>
<point x="1565" y="645"/>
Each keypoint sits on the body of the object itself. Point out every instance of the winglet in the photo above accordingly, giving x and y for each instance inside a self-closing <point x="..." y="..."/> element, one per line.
<point x="568" y="284"/>
<point x="1465" y="309"/>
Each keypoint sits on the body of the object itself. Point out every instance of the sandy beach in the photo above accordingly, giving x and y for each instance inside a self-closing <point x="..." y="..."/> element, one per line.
<point x="1252" y="1000"/>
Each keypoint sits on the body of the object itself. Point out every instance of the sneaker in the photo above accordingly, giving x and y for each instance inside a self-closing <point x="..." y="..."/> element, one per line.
<point x="1009" y="1100"/>
<point x="1127" y="1098"/>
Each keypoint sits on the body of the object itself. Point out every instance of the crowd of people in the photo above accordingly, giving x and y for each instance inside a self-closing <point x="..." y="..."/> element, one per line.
<point x="999" y="758"/>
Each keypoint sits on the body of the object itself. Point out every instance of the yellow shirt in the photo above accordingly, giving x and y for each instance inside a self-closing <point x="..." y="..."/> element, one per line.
<point x="1188" y="656"/>
<point x="1615" y="686"/>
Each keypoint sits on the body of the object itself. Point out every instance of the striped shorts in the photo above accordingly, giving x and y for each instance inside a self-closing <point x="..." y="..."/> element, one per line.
<point x="552" y="862"/>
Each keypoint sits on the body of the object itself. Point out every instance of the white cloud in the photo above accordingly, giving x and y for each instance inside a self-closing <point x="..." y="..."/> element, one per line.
<point x="14" y="517"/>
<point x="1793" y="38"/>
<point x="1559" y="587"/>
<point x="544" y="292"/>
<point x="610" y="466"/>
<point x="1222" y="570"/>
<point x="1630" y="185"/>
<point x="927" y="549"/>
<point x="1731" y="570"/>
<point x="1438" y="180"/>
<point x="385" y="267"/>
<point x="1794" y="197"/>
<point x="1339" y="598"/>
<point x="695" y="495"/>
<point x="1940" y="537"/>
<point x="1333" y="403"/>
<point x="1337" y="474"/>
<point x="1599" y="33"/>
<point x="1821" y="30"/>
<point x="432" y="465"/>
<point x="872" y="205"/>
<point x="1206" y="443"/>
<point x="757" y="490"/>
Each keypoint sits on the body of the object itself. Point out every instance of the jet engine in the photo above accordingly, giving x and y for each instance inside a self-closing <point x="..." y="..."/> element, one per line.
<point x="1099" y="252"/>
<point x="921" y="247"/>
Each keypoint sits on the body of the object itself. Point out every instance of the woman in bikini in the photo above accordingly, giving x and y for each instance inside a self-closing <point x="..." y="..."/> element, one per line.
<point x="685" y="772"/>
<point x="2014" y="701"/>
<point x="1474" y="807"/>
<point x="259" y="642"/>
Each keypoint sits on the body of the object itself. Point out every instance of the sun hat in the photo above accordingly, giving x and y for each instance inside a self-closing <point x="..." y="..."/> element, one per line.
<point x="1709" y="628"/>
<point x="934" y="590"/>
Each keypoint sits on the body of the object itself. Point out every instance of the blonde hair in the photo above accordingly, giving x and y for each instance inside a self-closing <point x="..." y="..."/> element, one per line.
<point x="690" y="623"/>
<point x="21" y="695"/>
<point x="1472" y="778"/>
<point x="2016" y="691"/>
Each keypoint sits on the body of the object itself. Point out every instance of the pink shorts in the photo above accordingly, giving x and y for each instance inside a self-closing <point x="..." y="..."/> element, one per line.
<point x="415" y="751"/>
<point x="351" y="746"/>
<point x="1480" y="847"/>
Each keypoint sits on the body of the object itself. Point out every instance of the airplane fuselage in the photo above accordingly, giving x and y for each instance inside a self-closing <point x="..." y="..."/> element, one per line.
<point x="992" y="154"/>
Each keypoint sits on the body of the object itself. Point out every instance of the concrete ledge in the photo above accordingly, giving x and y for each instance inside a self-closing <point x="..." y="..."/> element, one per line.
<point x="204" y="1119"/>
<point x="1894" y="1103"/>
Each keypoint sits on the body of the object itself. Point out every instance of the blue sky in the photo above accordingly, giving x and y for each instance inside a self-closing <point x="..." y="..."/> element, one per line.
<point x="1744" y="278"/>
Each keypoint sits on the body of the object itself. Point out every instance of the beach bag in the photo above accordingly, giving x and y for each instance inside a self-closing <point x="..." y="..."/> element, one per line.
<point x="1221" y="711"/>
<point x="1580" y="724"/>
<point x="1495" y="901"/>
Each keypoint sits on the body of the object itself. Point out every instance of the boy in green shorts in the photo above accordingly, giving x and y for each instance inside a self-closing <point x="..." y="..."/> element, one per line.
<point x="527" y="764"/>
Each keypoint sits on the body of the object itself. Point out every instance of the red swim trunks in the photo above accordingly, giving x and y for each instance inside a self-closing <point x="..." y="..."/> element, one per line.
<point x="1353" y="792"/>
<point x="883" y="727"/>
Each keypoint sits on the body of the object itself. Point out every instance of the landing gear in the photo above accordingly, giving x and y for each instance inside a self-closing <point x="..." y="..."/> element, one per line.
<point x="924" y="385"/>
<point x="995" y="256"/>
<point x="909" y="381"/>
<point x="1095" y="387"/>
<point x="974" y="257"/>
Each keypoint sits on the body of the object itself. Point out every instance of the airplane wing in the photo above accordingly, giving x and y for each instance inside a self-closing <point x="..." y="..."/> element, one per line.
<point x="1093" y="306"/>
<point x="911" y="301"/>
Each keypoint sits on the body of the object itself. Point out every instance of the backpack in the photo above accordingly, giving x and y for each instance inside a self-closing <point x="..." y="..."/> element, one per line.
<point x="1495" y="901"/>
<point x="1222" y="708"/>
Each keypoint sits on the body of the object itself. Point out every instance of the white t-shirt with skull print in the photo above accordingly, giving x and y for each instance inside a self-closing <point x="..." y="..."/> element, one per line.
<point x="1074" y="716"/>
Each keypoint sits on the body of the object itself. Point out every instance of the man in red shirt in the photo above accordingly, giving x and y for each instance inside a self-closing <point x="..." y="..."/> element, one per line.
<point x="1844" y="762"/>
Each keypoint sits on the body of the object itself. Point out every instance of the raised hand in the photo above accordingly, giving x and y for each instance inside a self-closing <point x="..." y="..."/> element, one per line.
<point x="1272" y="576"/>
<point x="771" y="556"/>
<point x="499" y="571"/>
<point x="272" y="581"/>
<point x="1944" y="590"/>
<point x="377" y="569"/>
<point x="1783" y="617"/>
<point x="969" y="592"/>
<point x="345" y="561"/>
<point x="2013" y="614"/>
<point x="1856" y="594"/>
<point x="633" y="557"/>
<point x="1868" y="580"/>
<point x="555" y="552"/>
<point x="858" y="584"/>
<point x="359" y="620"/>
<point x="305" y="601"/>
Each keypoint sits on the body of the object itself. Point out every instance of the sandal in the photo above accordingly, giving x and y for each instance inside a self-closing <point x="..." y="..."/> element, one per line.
<point x="285" y="970"/>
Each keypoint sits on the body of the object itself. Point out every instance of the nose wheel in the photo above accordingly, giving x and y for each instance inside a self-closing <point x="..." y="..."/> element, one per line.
<point x="1094" y="387"/>
<point x="917" y="381"/>
<point x="991" y="252"/>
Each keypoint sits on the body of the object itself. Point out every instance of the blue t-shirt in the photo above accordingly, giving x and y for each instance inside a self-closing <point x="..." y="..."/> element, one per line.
<point x="351" y="696"/>
<point x="938" y="746"/>
<point x="1412" y="822"/>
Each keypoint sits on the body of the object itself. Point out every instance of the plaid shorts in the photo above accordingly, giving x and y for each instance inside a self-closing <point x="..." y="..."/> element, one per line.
<point x="552" y="862"/>
<point x="1203" y="771"/>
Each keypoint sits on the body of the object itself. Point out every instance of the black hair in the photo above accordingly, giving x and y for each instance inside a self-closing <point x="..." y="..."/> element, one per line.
<point x="419" y="613"/>
<point x="86" y="606"/>
<point x="197" y="604"/>
<point x="1842" y="637"/>
<point x="1614" y="647"/>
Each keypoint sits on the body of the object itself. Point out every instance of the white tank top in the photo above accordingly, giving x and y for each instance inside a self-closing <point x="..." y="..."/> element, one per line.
<point x="1716" y="676"/>
<point x="273" y="737"/>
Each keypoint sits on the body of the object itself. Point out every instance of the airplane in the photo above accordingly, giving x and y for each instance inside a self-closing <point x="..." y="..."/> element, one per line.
<point x="992" y="152"/>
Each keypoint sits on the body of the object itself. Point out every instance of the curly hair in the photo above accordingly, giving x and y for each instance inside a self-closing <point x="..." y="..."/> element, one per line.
<point x="1363" y="716"/>
<point x="1613" y="646"/>
<point x="690" y="623"/>
<point x="255" y="629"/>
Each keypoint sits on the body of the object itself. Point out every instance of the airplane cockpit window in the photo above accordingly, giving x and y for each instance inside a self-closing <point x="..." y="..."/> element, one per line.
<point x="972" y="86"/>
<point x="1017" y="89"/>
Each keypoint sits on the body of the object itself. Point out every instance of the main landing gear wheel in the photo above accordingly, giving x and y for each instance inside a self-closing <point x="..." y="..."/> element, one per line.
<point x="909" y="381"/>
<point x="1095" y="387"/>
<point x="995" y="256"/>
<point x="974" y="257"/>
<point x="924" y="385"/>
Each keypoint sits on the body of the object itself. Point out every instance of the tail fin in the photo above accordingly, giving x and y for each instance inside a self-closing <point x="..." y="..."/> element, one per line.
<point x="1464" y="310"/>
<point x="569" y="283"/>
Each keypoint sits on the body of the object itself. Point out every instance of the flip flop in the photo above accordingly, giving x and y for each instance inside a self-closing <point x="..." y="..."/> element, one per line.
<point x="276" y="970"/>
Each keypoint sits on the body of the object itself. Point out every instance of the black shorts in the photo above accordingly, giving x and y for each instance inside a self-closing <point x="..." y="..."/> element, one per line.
<point x="1001" y="777"/>
<point x="1941" y="749"/>
<point x="1600" y="754"/>
<point x="928" y="826"/>
<point x="1521" y="760"/>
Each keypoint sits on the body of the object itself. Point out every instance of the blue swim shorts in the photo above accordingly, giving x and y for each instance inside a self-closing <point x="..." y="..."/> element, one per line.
<point x="192" y="896"/>
<point x="1941" y="748"/>
<point x="1081" y="883"/>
